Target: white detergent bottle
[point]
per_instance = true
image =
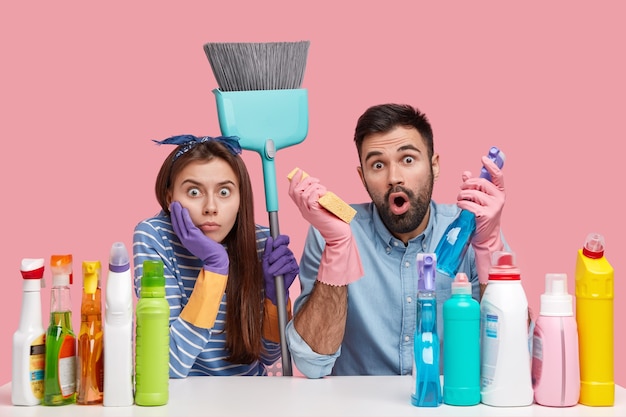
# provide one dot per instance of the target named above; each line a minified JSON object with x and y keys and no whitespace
{"x":505,"y":358}
{"x":118,"y":330}
{"x":29,"y":346}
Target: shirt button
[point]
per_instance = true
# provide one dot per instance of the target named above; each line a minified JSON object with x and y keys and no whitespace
{"x":407,"y":264}
{"x":409,"y":299}
{"x":407,"y":338}
{"x":395,"y":244}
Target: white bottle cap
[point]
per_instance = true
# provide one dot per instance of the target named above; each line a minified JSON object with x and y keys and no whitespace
{"x":556,"y":301}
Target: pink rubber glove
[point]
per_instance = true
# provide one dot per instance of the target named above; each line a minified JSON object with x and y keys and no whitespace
{"x":213,"y":254}
{"x":341,"y":263}
{"x":277,"y":260}
{"x":485,"y":199}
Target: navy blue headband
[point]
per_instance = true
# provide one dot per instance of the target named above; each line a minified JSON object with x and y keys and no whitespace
{"x":189,"y":141}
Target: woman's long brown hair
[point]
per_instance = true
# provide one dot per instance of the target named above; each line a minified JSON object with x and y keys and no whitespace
{"x":244,"y":290}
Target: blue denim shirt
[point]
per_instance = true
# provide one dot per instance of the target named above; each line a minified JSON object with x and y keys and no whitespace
{"x":382,"y":305}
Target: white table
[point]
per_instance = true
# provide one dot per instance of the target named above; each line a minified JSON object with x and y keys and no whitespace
{"x":297,"y":396}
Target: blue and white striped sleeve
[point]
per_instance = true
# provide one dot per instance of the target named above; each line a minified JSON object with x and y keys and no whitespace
{"x":152,"y":241}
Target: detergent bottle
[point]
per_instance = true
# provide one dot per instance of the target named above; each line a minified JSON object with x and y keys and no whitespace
{"x":152,"y":336}
{"x":594,"y":315}
{"x":555,"y":367}
{"x":90,"y":372}
{"x":453,"y":245}
{"x":29,"y":346}
{"x":461,"y":345}
{"x":60,"y":367}
{"x":118,"y":330}
{"x":505,"y":358}
{"x":427,"y":383}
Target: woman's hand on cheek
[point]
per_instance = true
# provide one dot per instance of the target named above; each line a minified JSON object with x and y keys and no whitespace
{"x":212,"y":254}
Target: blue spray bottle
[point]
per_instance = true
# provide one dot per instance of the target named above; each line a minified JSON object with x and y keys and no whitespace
{"x":427,"y":384}
{"x":453,"y":245}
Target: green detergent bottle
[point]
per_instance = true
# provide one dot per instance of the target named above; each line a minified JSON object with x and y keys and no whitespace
{"x":152,"y":338}
{"x":60,"y":366}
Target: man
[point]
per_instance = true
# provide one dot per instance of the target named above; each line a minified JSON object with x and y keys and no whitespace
{"x":357,"y":312}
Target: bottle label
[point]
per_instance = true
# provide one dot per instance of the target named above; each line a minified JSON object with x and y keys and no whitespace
{"x":67,"y":367}
{"x":489,"y":352}
{"x":37,"y":361}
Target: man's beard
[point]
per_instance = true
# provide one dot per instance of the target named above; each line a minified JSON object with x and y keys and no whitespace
{"x":409,"y":221}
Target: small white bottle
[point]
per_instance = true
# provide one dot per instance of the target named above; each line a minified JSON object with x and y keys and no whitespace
{"x":118,"y":330}
{"x":505,"y":357}
{"x":29,"y":346}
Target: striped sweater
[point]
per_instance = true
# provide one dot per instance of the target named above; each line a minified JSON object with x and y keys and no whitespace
{"x":193,"y":350}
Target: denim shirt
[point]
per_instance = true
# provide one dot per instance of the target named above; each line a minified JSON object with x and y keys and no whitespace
{"x":382,"y":305}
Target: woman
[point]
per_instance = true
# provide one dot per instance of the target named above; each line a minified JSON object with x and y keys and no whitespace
{"x":219,"y":265}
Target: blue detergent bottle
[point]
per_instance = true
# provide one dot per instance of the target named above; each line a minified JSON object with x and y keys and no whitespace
{"x":461,"y":345}
{"x":427,"y":384}
{"x":453,"y":245}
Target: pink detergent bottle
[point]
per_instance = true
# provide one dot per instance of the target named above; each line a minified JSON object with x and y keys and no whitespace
{"x":555,"y":361}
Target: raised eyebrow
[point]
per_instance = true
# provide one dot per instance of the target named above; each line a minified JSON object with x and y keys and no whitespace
{"x":227,"y":182}
{"x":371,"y":155}
{"x":409,"y":148}
{"x":403,"y":148}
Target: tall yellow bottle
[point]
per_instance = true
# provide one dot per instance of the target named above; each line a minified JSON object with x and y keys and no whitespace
{"x":594,"y":316}
{"x":90,"y":363}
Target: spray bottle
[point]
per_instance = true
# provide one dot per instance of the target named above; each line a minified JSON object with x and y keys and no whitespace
{"x":505,"y":356}
{"x":90,"y":372}
{"x":456,"y":239}
{"x":29,"y":346}
{"x":594,"y":314}
{"x":118,"y":330}
{"x":555,"y":367}
{"x":60,"y":367}
{"x":461,"y":345}
{"x":427,"y":384}
{"x":153,"y":338}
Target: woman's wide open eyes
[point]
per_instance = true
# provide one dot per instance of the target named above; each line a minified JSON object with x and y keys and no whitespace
{"x":224,"y":192}
{"x":193,"y":192}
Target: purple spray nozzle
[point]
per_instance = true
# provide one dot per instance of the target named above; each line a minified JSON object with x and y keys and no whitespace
{"x":497,"y":156}
{"x":426,"y":265}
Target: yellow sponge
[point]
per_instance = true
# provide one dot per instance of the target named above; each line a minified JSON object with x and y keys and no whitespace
{"x":331,"y":202}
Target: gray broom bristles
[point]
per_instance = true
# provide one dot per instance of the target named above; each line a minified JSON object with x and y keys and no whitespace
{"x":239,"y":66}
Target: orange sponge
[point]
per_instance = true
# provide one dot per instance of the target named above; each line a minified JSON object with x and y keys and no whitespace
{"x":331,"y":202}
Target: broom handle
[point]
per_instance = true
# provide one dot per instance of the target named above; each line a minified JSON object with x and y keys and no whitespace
{"x":281,"y":303}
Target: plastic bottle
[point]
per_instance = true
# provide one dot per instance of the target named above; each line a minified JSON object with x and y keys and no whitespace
{"x":90,"y":370}
{"x":461,"y":345}
{"x":555,"y":368}
{"x":505,"y":357}
{"x":594,"y":314}
{"x":118,"y":330}
{"x":152,"y":347}
{"x":427,"y":383}
{"x":29,"y":346}
{"x":453,"y":245}
{"x":60,"y":367}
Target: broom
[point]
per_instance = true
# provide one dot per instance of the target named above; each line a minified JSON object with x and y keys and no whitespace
{"x":259,"y":100}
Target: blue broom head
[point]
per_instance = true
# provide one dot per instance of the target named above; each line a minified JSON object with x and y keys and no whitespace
{"x":257,"y":116}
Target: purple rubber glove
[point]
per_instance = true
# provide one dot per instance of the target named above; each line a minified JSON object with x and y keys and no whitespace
{"x":278,"y":260}
{"x":212,"y":254}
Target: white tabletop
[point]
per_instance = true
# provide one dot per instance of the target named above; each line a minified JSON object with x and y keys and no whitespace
{"x":297,"y":396}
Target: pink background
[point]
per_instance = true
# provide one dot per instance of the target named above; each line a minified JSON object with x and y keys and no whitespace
{"x":85,"y":87}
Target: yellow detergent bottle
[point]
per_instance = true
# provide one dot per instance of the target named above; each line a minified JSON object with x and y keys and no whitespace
{"x":594,"y":316}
